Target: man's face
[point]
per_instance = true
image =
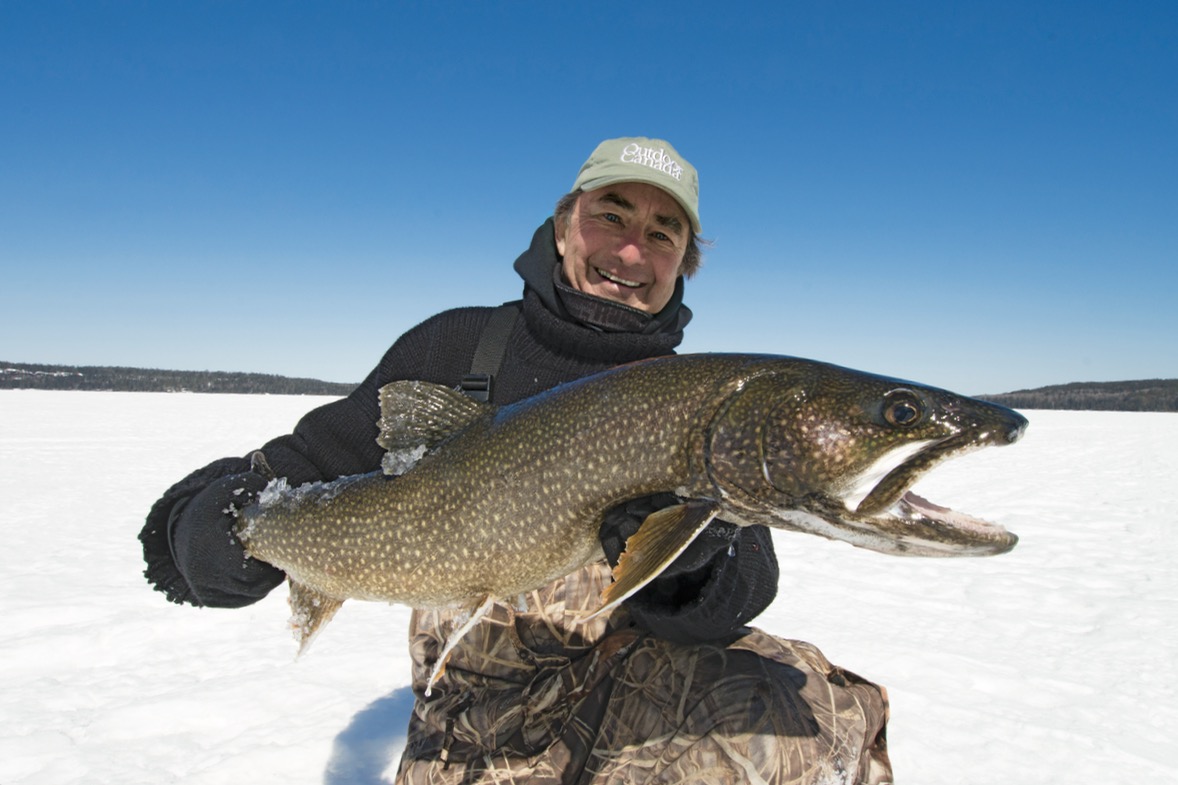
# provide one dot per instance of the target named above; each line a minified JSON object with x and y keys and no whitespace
{"x":625,"y":242}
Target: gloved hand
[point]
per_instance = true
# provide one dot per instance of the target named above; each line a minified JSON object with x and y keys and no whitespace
{"x":720,"y":582}
{"x":682,"y":580}
{"x":625,"y":519}
{"x":206,"y":548}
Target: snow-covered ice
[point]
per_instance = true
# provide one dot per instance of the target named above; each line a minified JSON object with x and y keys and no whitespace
{"x":1053,"y":663}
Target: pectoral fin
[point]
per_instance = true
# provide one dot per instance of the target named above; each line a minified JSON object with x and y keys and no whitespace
{"x":309,"y":611}
{"x":660,"y":539}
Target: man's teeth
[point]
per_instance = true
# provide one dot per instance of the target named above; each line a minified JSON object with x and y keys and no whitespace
{"x":618,"y":280}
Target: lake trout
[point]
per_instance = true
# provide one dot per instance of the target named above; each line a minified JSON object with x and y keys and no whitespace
{"x":478,"y":503}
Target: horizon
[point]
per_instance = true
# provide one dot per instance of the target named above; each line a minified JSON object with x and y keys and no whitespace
{"x":979,"y":199}
{"x":6,"y":364}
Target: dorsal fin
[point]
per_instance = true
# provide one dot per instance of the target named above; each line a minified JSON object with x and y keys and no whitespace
{"x":416,"y":414}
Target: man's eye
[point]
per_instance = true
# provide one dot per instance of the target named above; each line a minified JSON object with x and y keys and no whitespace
{"x":615,"y":218}
{"x":660,"y":237}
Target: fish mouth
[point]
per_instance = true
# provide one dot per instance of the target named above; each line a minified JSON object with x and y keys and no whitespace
{"x":955,"y":531}
{"x":893,"y":519}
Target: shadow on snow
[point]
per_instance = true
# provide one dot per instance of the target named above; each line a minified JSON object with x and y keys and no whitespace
{"x":365,"y":749}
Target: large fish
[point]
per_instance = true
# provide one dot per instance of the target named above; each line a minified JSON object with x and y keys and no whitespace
{"x":478,"y":503}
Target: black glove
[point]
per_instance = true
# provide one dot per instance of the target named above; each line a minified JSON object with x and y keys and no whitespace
{"x":724,"y":578}
{"x":207,"y":551}
{"x":688,"y":569}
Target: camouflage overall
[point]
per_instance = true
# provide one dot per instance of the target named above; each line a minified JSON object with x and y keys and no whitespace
{"x":533,"y":697}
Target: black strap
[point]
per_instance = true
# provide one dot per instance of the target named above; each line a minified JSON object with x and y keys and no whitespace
{"x":489,"y":354}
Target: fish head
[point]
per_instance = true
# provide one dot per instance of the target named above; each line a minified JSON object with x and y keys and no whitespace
{"x":831,"y":451}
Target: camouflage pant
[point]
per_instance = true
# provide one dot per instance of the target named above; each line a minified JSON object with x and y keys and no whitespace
{"x":633,"y":708}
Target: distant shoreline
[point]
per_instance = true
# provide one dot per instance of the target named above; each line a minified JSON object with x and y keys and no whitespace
{"x":26,"y":376}
{"x":1148,"y":395}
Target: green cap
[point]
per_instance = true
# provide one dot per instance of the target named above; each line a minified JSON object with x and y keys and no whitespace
{"x":636,"y":159}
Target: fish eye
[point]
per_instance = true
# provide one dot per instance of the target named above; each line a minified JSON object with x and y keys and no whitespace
{"x":903,"y":409}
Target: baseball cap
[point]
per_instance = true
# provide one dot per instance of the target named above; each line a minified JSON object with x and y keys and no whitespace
{"x":636,"y":159}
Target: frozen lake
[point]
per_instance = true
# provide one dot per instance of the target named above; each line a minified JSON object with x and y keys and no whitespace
{"x":1053,"y":663}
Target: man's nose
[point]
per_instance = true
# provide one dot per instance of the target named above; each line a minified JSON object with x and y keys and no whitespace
{"x":629,"y":248}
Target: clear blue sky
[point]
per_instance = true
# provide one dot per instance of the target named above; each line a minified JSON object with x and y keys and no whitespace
{"x":980,"y":196}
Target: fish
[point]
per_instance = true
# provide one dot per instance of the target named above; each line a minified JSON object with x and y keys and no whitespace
{"x":477,"y":503}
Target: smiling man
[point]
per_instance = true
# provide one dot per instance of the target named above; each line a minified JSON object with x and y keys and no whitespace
{"x":671,"y":686}
{"x":626,"y":239}
{"x":625,"y":243}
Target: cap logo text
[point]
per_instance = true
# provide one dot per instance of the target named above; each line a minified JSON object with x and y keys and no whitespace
{"x":655,"y":159}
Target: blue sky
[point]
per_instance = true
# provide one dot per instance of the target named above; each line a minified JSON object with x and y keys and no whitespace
{"x":980,"y":196}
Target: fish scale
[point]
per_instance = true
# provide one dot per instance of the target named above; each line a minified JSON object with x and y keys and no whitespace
{"x":506,"y":500}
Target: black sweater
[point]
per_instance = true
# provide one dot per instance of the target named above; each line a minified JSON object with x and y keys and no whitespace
{"x":547,"y":347}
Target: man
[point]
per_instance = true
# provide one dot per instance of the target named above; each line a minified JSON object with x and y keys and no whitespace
{"x":671,"y":686}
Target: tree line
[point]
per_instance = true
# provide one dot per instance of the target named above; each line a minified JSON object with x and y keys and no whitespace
{"x":23,"y":376}
{"x":1147,"y":395}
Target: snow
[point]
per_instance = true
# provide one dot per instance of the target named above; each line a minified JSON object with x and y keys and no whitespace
{"x":396,"y":461}
{"x":1053,"y":663}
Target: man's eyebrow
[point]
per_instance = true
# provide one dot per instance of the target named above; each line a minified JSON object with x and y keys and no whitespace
{"x":613,"y":198}
{"x":670,"y":222}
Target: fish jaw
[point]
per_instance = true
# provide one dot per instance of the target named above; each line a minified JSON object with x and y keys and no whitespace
{"x":913,"y":526}
{"x":904,"y":524}
{"x":907,"y":524}
{"x":891,"y":519}
{"x":895,"y":483}
{"x":835,"y":453}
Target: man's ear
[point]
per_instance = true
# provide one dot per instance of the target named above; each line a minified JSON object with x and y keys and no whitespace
{"x":559,"y":229}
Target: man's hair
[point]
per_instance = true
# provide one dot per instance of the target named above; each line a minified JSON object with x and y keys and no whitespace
{"x":692,"y":257}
